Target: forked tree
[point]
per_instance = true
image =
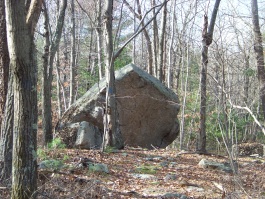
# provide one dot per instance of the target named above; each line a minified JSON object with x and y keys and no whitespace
{"x":50,"y":49}
{"x":207,"y":38}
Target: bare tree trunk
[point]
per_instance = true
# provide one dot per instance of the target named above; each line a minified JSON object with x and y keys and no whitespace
{"x":50,"y":51}
{"x":112,"y":133}
{"x":100,"y":39}
{"x":73,"y":55}
{"x":134,"y":40}
{"x":207,"y":36}
{"x":155,"y":41}
{"x":170,"y":53}
{"x":58,"y":84}
{"x":6,"y":142}
{"x":4,"y":61}
{"x":6,"y":102}
{"x":162,"y":43}
{"x":258,"y":48}
{"x":21,"y":23}
{"x":246,"y":78}
{"x":46,"y":95}
{"x":65,"y":65}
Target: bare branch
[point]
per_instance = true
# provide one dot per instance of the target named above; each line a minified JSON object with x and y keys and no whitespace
{"x":137,"y":32}
{"x":83,"y":9}
{"x":240,"y":107}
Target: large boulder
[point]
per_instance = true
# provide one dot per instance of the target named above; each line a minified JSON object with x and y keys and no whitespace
{"x":147,"y":109}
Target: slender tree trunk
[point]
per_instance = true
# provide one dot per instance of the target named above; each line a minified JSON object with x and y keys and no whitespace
{"x":134,"y":40}
{"x":207,"y":36}
{"x":65,"y":65}
{"x":50,"y":50}
{"x":170,"y":53}
{"x":201,"y":142}
{"x":155,"y":40}
{"x":162,"y":43}
{"x":246,"y":79}
{"x":73,"y":55}
{"x":258,"y":48}
{"x":4,"y":61}
{"x":182,"y":124}
{"x":58,"y":84}
{"x":91,"y":50}
{"x":100,"y":39}
{"x":46,"y":87}
{"x":112,"y":133}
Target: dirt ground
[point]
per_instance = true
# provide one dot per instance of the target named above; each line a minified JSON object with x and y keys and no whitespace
{"x":139,"y":173}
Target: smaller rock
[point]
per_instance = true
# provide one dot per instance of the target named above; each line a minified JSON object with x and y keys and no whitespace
{"x":207,"y":164}
{"x":102,"y":168}
{"x":88,"y":136}
{"x":124,"y":154}
{"x":194,"y":188}
{"x":172,"y":164}
{"x":164,"y":164}
{"x":143,"y":176}
{"x":183,"y":197}
{"x":157,"y":158}
{"x":50,"y":164}
{"x":172,"y":195}
{"x":170,"y":177}
{"x":257,"y":161}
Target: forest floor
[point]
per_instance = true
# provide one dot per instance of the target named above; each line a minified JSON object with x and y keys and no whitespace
{"x":140,"y":173}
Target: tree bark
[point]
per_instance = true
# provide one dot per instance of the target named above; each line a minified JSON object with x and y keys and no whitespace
{"x":162,"y":44}
{"x":207,"y":36}
{"x":112,"y":133}
{"x":155,"y":40}
{"x":46,"y":107}
{"x":170,"y":53}
{"x":100,"y":39}
{"x":20,"y":34}
{"x":6,"y":102}
{"x":258,"y":48}
{"x":58,"y":84}
{"x":6,"y":142}
{"x":4,"y":61}
{"x":73,"y":56}
{"x":48,"y":61}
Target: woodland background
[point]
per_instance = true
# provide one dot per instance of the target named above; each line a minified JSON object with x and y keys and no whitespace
{"x":211,"y":55}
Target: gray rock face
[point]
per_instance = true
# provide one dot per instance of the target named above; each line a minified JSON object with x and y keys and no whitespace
{"x":147,"y":109}
{"x":88,"y":136}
